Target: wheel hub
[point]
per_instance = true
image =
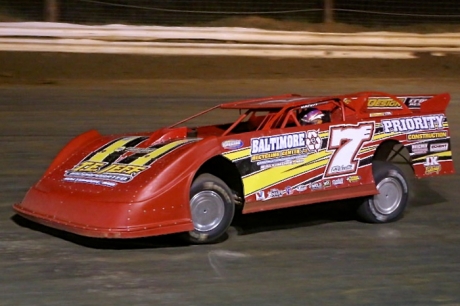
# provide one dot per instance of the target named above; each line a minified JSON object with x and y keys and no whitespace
{"x":208,"y":210}
{"x":389,"y":198}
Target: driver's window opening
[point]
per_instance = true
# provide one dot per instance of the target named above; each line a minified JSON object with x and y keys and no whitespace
{"x":291,"y":119}
{"x":250,"y":120}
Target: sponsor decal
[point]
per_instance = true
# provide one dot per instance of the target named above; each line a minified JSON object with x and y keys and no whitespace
{"x":412,"y":124}
{"x":260,"y":195}
{"x":432,"y":165}
{"x":232,"y":144}
{"x":341,"y":169}
{"x":278,"y":193}
{"x":338,"y":181}
{"x":421,"y":136}
{"x":345,"y":141}
{"x":301,"y":188}
{"x":266,"y":164}
{"x":284,"y":149}
{"x":353,"y":178}
{"x":102,"y":170}
{"x":89,"y":181}
{"x":119,"y":161}
{"x":419,"y":148}
{"x":439,"y":147}
{"x":97,"y":173}
{"x":313,"y":141}
{"x":414,"y":102}
{"x":327,"y":184}
{"x":383,"y":102}
{"x":309,"y":105}
{"x":277,"y":143}
{"x":316,"y":186}
{"x":380,"y":114}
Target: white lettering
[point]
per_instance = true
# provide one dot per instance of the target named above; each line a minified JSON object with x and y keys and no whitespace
{"x":387,"y":126}
{"x":346,"y":141}
{"x":282,"y":143}
{"x":438,"y":147}
{"x":431,"y":123}
{"x":254,"y":146}
{"x":296,"y":140}
{"x":418,"y":124}
{"x":413,"y":123}
{"x":431,"y":161}
{"x":410,"y":125}
{"x":439,"y":120}
{"x":278,"y":143}
{"x":302,"y":140}
{"x":397,"y":125}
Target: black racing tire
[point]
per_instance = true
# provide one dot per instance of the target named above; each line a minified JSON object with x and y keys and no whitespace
{"x":212,"y":209}
{"x":390,"y":203}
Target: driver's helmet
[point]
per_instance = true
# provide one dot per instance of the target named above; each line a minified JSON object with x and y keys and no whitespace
{"x":312,"y":116}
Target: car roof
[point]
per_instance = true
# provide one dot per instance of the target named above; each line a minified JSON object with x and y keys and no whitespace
{"x":275,"y":102}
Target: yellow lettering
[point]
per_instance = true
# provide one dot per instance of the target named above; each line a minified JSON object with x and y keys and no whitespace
{"x":133,"y":169}
{"x":432,"y":169}
{"x":266,"y":156}
{"x":88,"y":166}
{"x":427,"y":135}
{"x":382,"y":102}
{"x":123,"y":169}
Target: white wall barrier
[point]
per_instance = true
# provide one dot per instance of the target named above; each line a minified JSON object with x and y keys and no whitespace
{"x":58,"y":37}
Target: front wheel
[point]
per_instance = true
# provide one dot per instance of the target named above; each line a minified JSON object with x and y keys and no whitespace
{"x":212,"y":209}
{"x":389,"y":204}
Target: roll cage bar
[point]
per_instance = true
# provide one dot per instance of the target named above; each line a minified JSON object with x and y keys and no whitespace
{"x":279,"y":117}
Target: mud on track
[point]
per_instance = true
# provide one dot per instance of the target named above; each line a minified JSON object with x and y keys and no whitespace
{"x":313,"y":255}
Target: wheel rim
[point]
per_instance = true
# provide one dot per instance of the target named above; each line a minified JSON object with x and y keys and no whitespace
{"x":207,"y":209}
{"x":390,"y":196}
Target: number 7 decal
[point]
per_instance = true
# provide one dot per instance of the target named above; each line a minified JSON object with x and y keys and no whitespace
{"x":345,"y":141}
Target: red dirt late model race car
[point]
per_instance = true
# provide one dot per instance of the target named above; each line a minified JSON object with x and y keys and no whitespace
{"x":278,"y":152}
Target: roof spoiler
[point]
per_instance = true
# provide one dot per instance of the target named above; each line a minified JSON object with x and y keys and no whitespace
{"x":436,"y":104}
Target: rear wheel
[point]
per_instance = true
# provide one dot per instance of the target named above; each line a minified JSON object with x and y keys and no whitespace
{"x":212,"y":209}
{"x":391,"y":201}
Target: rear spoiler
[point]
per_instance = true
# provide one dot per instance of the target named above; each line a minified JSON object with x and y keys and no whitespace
{"x":436,"y":104}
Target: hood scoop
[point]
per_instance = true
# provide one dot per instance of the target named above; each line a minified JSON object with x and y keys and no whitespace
{"x":165,"y":135}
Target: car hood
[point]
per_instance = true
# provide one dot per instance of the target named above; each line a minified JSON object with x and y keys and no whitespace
{"x":119,"y":168}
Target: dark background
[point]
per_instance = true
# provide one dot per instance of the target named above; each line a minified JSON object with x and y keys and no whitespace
{"x":372,"y":14}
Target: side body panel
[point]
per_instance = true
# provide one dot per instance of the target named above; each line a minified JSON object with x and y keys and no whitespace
{"x":303,"y":165}
{"x":334,"y":161}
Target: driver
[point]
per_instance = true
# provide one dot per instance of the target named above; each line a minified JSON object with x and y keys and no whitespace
{"x":311,"y":116}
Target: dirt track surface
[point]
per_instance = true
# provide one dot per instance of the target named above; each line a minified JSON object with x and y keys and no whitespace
{"x":61,"y":68}
{"x":314,"y":255}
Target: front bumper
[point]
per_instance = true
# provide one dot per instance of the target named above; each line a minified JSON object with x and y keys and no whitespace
{"x":102,"y":219}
